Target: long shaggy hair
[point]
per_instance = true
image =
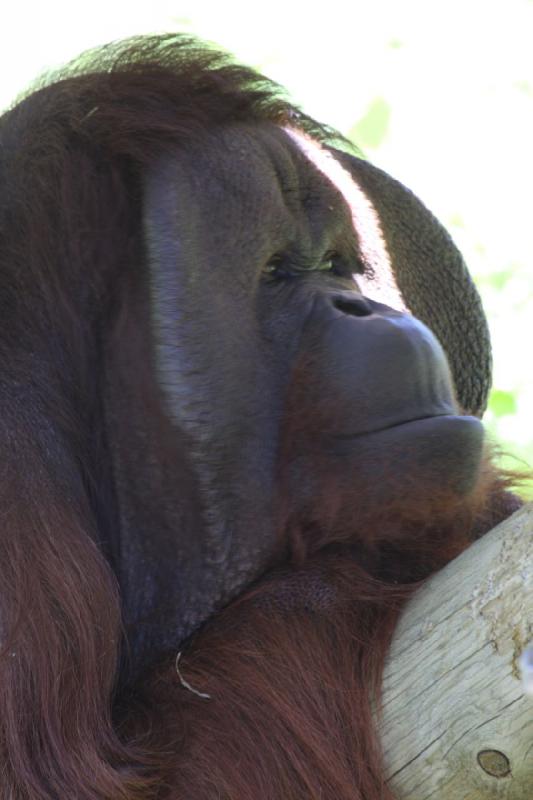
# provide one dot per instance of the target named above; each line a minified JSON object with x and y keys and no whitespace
{"x":292,"y":668}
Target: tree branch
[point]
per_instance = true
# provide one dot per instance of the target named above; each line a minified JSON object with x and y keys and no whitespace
{"x":456,"y":724}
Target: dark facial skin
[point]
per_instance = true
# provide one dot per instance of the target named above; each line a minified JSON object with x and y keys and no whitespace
{"x":247,"y":316}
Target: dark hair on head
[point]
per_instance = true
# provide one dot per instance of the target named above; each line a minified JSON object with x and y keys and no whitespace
{"x":134,"y":98}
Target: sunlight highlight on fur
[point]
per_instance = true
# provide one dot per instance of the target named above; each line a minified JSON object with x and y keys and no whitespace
{"x":379,"y":284}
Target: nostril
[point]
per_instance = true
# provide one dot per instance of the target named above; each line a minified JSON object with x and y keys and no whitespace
{"x":355,"y":305}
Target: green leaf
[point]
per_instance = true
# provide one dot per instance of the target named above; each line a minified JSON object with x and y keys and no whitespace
{"x":502,"y":403}
{"x":498,"y":279}
{"x":373,"y":127}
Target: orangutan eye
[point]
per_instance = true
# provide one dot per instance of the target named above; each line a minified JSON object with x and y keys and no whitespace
{"x":330,"y":262}
{"x":277,"y":267}
{"x":281,"y":266}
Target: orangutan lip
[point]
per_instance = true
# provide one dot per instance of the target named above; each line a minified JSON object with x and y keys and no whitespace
{"x":394,"y":425}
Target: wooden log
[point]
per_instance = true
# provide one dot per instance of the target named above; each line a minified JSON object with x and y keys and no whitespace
{"x":457,"y":724}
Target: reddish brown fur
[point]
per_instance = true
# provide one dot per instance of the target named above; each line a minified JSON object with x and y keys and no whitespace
{"x":290,"y":669}
{"x":72,"y":156}
{"x":289,"y":715}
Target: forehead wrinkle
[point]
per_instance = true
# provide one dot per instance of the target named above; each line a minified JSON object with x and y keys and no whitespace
{"x":323,"y":216}
{"x":307,"y":211}
{"x":268,"y":193}
{"x":318,"y":213}
{"x":281,"y":168}
{"x":240,"y":181}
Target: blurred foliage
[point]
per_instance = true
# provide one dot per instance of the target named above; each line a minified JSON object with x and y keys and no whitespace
{"x":372,"y":128}
{"x":502,"y":403}
{"x":440,"y":94}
